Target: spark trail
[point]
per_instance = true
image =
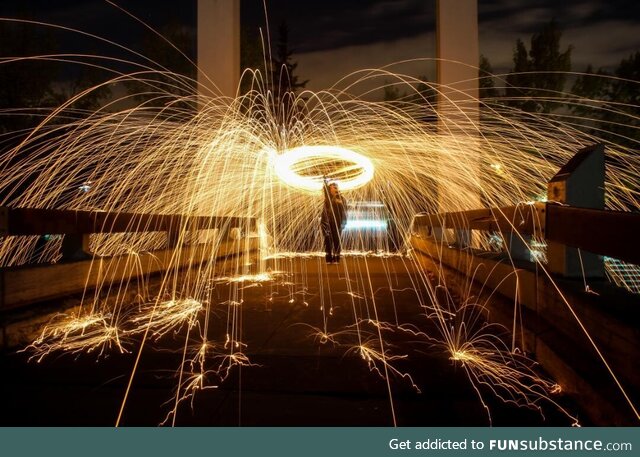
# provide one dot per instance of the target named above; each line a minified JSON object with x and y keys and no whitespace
{"x":248,"y":156}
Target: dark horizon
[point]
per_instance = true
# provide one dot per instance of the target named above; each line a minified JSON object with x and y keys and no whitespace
{"x":373,"y":33}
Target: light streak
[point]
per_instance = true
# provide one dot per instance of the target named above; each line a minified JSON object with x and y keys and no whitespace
{"x":356,"y":224}
{"x":381,"y":362}
{"x":232,"y":157}
{"x":163,"y":317}
{"x":76,"y":333}
{"x":489,"y":364}
{"x":304,"y":167}
{"x":253,"y":278}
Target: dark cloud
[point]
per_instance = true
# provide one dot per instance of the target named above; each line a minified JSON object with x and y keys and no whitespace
{"x":569,"y":13}
{"x":99,"y":18}
{"x":330,"y":24}
{"x":372,"y":32}
{"x":600,"y":32}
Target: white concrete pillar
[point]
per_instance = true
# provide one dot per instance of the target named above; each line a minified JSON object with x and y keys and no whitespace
{"x":218,"y":47}
{"x":458,"y":55}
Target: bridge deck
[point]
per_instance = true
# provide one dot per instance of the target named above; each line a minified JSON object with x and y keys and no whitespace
{"x":294,"y":379}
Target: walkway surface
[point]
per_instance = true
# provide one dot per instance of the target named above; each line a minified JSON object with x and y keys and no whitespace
{"x":295,"y":376}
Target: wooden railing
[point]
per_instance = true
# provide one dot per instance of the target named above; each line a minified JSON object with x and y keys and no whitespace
{"x":551,"y":306}
{"x":609,"y":233}
{"x":79,"y":270}
{"x":577,"y":229}
{"x":34,"y":221}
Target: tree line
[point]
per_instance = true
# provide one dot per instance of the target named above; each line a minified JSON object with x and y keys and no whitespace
{"x":539,"y":80}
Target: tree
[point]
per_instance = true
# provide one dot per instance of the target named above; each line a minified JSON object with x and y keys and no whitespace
{"x":251,"y":57}
{"x":540,"y":73}
{"x":590,"y":86}
{"x":282,"y":80}
{"x":172,"y":75}
{"x":424,"y":96}
{"x":419,"y":92}
{"x":417,"y":97}
{"x":25,"y":84}
{"x":623,"y":95}
{"x":486,"y":86}
{"x":283,"y":77}
{"x":609,"y":108}
{"x":391,"y":92}
{"x":85,"y":78}
{"x":611,"y":105}
{"x":625,"y":90}
{"x":32,"y":85}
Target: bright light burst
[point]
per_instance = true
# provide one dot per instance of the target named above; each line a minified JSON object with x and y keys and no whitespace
{"x":509,"y":375}
{"x":163,"y":317}
{"x":305,"y":167}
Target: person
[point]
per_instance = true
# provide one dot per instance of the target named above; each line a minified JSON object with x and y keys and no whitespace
{"x":333,"y":221}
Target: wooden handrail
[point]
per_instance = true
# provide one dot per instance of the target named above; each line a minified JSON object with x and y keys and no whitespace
{"x":524,"y":219}
{"x":38,"y":221}
{"x":603,"y":232}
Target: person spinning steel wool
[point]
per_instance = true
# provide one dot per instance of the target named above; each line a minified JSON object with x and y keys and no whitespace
{"x":333,"y":220}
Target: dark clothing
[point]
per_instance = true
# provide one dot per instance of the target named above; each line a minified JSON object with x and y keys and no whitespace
{"x":332,"y":245}
{"x":332,"y":222}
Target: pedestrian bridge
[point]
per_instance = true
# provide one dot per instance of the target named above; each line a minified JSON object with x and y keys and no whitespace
{"x":516,"y":315}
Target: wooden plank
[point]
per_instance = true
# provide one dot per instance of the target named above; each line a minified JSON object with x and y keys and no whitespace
{"x":32,"y":284}
{"x":521,"y":218}
{"x":39,"y":221}
{"x":604,"y":232}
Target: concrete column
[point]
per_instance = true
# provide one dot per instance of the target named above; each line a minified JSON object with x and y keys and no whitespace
{"x":218,"y":47}
{"x":517,"y":248}
{"x":458,"y":56}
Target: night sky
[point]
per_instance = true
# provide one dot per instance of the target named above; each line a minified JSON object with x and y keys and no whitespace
{"x":335,"y":37}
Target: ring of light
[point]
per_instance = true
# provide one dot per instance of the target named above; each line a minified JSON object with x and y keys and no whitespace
{"x":284,"y":167}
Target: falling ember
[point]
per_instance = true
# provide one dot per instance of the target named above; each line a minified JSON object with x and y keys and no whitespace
{"x":460,"y":356}
{"x":235,"y":158}
{"x":76,"y":333}
{"x":258,"y":277}
{"x":162,"y":317}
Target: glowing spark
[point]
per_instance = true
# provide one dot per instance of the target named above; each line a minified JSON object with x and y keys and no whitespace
{"x":162,"y":317}
{"x":261,"y":277}
{"x":377,"y":361}
{"x":463,"y":356}
{"x":75,"y":333}
{"x":222,"y":161}
{"x":498,"y":169}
